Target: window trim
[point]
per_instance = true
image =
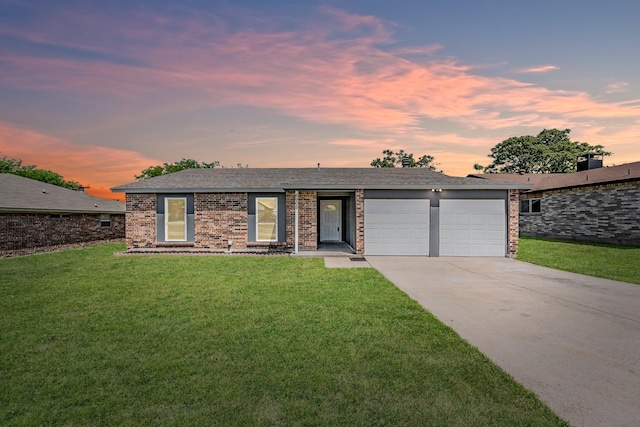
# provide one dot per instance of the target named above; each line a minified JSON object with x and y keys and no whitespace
{"x":529,"y":210}
{"x":105,"y":220}
{"x":275,"y":221}
{"x":166,"y":219}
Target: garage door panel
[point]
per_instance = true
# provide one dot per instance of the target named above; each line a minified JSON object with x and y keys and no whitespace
{"x":396,"y":227}
{"x":472,"y":228}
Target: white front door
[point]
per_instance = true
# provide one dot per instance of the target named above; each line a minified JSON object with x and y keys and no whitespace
{"x":330,"y":220}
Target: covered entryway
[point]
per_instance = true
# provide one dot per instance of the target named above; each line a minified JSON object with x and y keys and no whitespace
{"x":472,"y":228}
{"x":396,"y":227}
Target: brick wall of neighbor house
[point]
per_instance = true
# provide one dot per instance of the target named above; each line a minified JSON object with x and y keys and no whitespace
{"x":220,"y":218}
{"x":307,"y":219}
{"x":513,"y":225}
{"x":608,"y":213}
{"x":359,"y":222}
{"x":30,"y":230}
{"x":141,"y":221}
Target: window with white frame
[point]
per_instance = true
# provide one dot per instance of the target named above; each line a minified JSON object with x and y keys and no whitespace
{"x":530,"y":206}
{"x":175,"y":219}
{"x":266,"y":219}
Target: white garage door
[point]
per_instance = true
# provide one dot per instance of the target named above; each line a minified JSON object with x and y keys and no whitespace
{"x":396,"y":227}
{"x":472,"y":228}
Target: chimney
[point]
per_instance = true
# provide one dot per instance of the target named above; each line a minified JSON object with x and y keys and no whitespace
{"x":405,"y":162}
{"x":589,"y":161}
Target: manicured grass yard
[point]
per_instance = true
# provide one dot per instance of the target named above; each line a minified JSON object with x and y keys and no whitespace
{"x":610,"y":262}
{"x":92,"y":339}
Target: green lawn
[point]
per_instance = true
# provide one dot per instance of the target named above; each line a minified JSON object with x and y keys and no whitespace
{"x":93,"y":339}
{"x":610,"y":262}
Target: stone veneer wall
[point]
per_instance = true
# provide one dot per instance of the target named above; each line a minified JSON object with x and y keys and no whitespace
{"x":34,"y":230}
{"x":513,"y":223}
{"x":141,"y":221}
{"x":307,"y":219}
{"x":220,"y":218}
{"x":607,"y":213}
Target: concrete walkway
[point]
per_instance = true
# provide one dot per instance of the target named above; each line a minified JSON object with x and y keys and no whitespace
{"x":573,"y":340}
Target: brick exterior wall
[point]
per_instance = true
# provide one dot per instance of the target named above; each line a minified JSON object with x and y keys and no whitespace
{"x":513,"y":230}
{"x":20,"y":231}
{"x":608,"y":213}
{"x":218,"y":218}
{"x":359,"y":222}
{"x":307,"y":219}
{"x":141,"y":221}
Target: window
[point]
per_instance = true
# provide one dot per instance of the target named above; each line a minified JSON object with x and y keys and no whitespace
{"x":60,"y":216}
{"x":266,"y":219}
{"x":175,"y":218}
{"x":530,"y":206}
{"x":105,"y":220}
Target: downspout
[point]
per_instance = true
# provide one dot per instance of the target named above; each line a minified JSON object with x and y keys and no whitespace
{"x":296,"y":222}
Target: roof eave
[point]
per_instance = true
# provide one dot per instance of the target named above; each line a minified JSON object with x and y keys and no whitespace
{"x":333,"y":187}
{"x":587,"y":184}
{"x":61,"y":211}
{"x":198,"y":190}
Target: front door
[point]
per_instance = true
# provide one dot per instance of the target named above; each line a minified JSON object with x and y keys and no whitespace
{"x":330,"y":220}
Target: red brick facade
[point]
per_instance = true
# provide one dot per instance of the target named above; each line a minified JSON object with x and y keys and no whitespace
{"x":359,"y":222}
{"x":141,"y":221}
{"x":513,"y":223}
{"x":307,"y":219}
{"x":220,"y":218}
{"x":21,"y":231}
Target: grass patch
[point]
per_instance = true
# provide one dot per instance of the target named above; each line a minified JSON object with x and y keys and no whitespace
{"x":93,"y":339}
{"x":598,"y":260}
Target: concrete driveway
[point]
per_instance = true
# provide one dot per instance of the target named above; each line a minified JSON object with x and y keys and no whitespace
{"x":573,"y":340}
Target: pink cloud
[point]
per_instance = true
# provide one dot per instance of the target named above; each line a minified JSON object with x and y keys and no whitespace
{"x":307,"y":74}
{"x":337,"y":68}
{"x":99,"y":168}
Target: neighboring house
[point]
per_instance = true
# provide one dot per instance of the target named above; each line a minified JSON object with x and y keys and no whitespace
{"x":595,"y":205}
{"x":34,"y":214}
{"x":376,"y":211}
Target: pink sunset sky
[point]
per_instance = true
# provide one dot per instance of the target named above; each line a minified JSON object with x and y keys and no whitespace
{"x":98,"y":91}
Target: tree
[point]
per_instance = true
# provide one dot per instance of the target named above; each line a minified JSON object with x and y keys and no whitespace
{"x":15,"y":167}
{"x":391,"y":159}
{"x":168,"y":168}
{"x":551,"y":151}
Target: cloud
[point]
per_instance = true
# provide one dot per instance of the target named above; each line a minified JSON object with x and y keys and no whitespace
{"x":335,"y":68}
{"x":99,"y":168}
{"x":537,"y":69}
{"x":617,"y":87}
{"x":333,"y":72}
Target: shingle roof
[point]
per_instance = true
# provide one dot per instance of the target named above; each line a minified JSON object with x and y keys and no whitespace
{"x":280,"y":179}
{"x":19,"y":194}
{"x":549,"y":181}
